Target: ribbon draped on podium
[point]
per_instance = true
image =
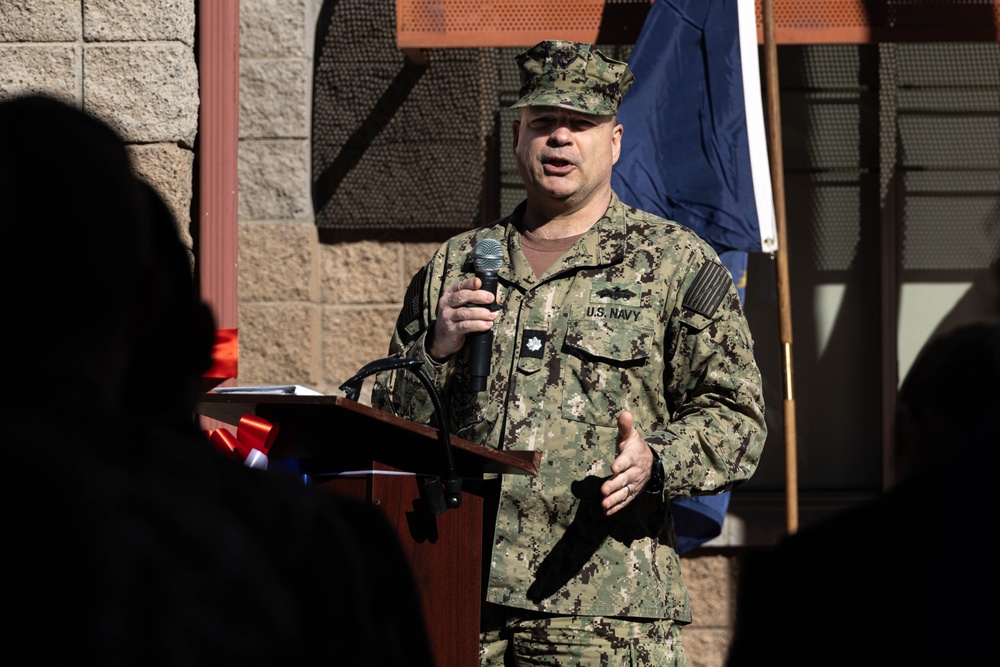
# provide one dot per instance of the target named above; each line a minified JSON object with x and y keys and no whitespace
{"x":253,"y":439}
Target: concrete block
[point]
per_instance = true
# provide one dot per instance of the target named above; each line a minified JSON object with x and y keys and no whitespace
{"x":40,"y":21}
{"x":363,"y":272}
{"x":352,"y":337}
{"x":274,"y":179}
{"x":54,"y":69}
{"x":277,"y":344}
{"x":170,"y":169}
{"x":149,"y":92}
{"x":276,"y":261}
{"x":710,"y":585}
{"x":139,"y":20}
{"x":274,"y":99}
{"x":274,"y":29}
{"x":415,"y":255}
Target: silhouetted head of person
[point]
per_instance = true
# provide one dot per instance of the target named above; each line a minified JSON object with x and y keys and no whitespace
{"x":177,"y":330}
{"x":76,"y":245}
{"x":948,"y":400}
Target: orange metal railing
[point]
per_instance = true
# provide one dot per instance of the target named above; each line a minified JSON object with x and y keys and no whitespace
{"x":427,"y":24}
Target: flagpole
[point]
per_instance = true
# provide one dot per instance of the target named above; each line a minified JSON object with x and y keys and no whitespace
{"x":784,"y":302}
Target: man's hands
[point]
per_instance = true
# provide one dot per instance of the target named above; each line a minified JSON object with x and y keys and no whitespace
{"x":631,"y":470}
{"x":462,"y":310}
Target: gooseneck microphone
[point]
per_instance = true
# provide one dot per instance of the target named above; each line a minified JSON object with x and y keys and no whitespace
{"x":488,"y":257}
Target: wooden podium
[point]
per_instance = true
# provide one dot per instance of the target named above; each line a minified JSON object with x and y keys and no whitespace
{"x":387,"y":458}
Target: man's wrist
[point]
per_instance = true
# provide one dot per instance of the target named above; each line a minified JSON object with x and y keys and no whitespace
{"x":435,"y":359}
{"x":656,"y":480}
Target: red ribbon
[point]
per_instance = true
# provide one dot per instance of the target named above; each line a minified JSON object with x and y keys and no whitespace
{"x":225,"y":355}
{"x":252,"y":433}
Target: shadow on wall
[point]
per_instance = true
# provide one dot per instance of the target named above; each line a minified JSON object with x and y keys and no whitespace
{"x":397,"y":147}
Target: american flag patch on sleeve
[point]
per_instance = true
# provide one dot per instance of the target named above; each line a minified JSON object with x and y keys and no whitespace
{"x":407,"y":326}
{"x":706,"y":293}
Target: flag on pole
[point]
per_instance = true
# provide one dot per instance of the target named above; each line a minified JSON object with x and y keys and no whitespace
{"x":694,"y":151}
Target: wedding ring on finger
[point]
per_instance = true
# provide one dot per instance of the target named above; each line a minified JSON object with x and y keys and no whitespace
{"x":628,"y":491}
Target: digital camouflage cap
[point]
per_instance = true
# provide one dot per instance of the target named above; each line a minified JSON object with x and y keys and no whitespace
{"x":571,"y":75}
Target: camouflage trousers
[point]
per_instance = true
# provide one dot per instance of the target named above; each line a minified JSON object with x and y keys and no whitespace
{"x":520,"y":638}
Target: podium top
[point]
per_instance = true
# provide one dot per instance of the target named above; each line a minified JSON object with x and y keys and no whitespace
{"x":309,"y":426}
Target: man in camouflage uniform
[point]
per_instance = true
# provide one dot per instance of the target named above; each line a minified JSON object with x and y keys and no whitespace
{"x":620,"y":351}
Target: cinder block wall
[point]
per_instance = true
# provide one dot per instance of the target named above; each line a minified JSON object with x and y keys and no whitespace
{"x":309,"y":313}
{"x":130,"y":62}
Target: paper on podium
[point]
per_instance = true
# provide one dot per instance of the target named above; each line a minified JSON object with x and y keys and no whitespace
{"x":296,"y":389}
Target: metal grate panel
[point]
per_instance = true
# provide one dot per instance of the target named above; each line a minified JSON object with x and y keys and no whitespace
{"x":422,"y":24}
{"x":948,"y":143}
{"x":397,"y":146}
{"x":519,"y":23}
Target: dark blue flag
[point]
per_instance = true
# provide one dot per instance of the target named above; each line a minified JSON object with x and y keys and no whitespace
{"x":694,"y":151}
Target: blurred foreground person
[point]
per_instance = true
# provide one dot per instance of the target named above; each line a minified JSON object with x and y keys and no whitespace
{"x":906,"y":579}
{"x":129,"y":539}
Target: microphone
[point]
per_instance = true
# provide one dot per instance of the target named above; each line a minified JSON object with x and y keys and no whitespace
{"x":488,"y":257}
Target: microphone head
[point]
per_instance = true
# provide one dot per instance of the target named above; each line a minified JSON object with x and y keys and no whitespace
{"x":488,"y":255}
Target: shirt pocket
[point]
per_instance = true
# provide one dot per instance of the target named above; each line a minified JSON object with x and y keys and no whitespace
{"x":604,"y":362}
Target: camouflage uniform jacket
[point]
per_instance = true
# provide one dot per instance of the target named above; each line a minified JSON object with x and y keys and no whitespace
{"x":638,"y":314}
